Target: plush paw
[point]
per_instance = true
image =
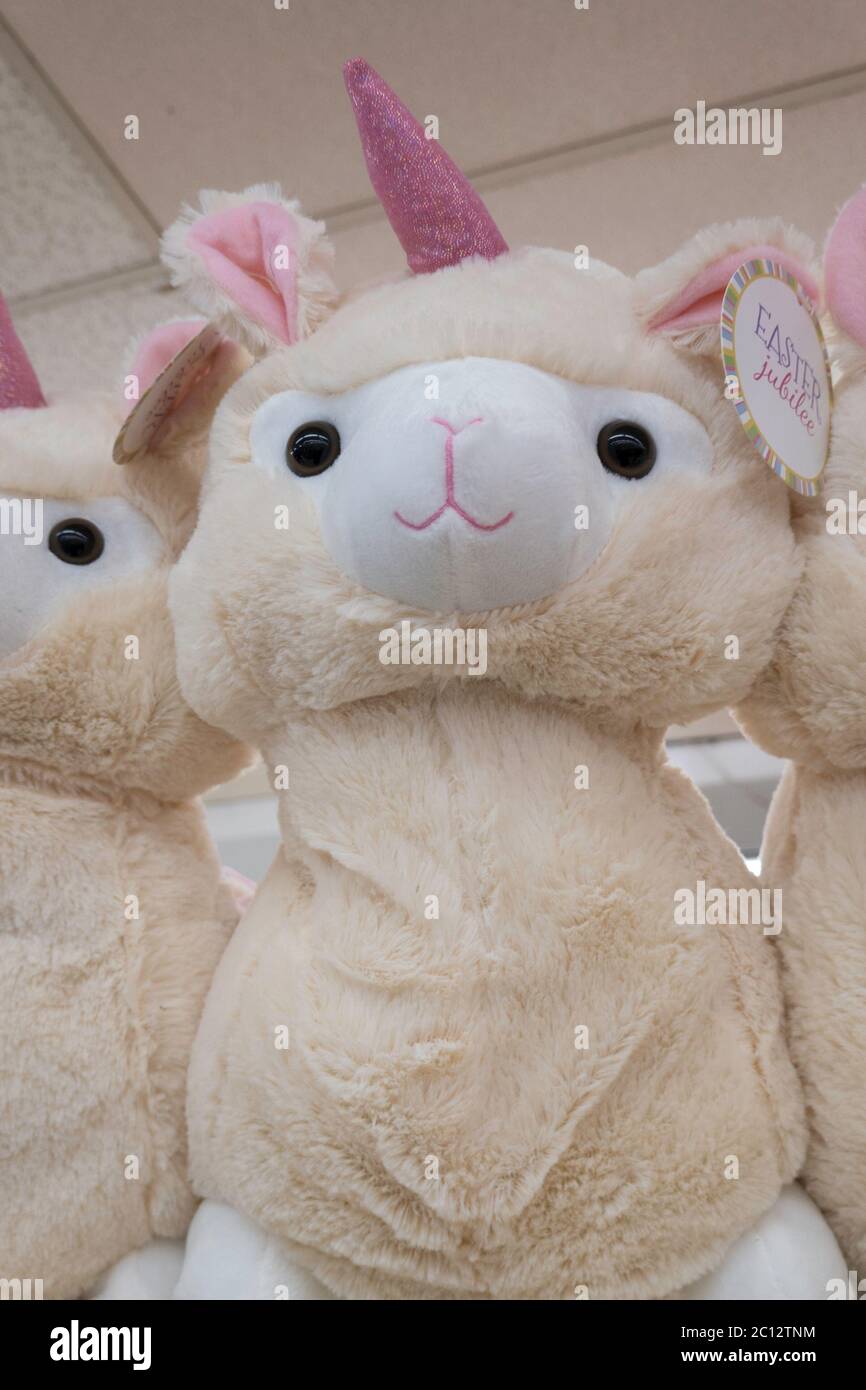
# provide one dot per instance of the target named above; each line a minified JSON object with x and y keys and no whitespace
{"x":790,"y":1254}
{"x":149,"y":1273}
{"x":230,"y":1257}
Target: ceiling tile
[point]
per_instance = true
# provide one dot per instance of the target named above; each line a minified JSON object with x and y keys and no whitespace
{"x":58,"y":221}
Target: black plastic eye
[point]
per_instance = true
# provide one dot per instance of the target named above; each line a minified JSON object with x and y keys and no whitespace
{"x":312,"y":448}
{"x":626,"y":448}
{"x":76,"y":542}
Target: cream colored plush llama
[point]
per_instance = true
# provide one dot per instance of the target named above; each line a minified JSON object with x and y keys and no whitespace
{"x":461,"y":1047}
{"x":811,"y":707}
{"x":112,"y":916}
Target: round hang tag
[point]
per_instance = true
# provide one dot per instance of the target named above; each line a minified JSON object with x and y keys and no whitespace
{"x":773,"y":345}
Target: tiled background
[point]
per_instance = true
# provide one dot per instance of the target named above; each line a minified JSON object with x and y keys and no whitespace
{"x":564,"y":118}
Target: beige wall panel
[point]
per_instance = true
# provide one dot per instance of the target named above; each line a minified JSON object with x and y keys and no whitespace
{"x":230,"y":91}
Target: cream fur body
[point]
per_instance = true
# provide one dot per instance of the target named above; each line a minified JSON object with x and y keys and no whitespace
{"x":453,"y":1040}
{"x":112,"y":913}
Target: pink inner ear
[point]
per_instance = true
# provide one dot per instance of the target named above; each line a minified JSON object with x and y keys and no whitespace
{"x":240,"y":248}
{"x":700,"y":303}
{"x":159,"y":347}
{"x":845,"y":269}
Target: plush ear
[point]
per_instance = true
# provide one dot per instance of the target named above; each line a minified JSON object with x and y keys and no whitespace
{"x":845,"y":269}
{"x":253,"y":264}
{"x":178,"y":390}
{"x":152,"y":354}
{"x":681,"y":298}
{"x":163,"y":442}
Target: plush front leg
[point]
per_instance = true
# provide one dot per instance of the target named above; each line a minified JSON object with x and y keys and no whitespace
{"x":812,"y":851}
{"x":229,"y":1257}
{"x":790,"y":1254}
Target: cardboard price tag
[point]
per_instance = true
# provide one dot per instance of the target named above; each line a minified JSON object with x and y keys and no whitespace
{"x":165,"y":394}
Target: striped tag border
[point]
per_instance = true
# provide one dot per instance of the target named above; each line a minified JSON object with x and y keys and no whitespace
{"x":744,"y":275}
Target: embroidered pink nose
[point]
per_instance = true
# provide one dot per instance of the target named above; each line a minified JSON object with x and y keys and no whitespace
{"x":446,"y":424}
{"x":450,"y":499}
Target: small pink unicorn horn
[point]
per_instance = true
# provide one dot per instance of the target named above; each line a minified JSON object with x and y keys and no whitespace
{"x":18,"y":383}
{"x":436,"y":213}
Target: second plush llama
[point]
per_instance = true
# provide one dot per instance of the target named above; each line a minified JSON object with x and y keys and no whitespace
{"x":811,"y":707}
{"x":112,"y":913}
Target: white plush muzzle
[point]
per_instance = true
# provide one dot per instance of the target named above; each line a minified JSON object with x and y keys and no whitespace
{"x":472,"y":484}
{"x":36,"y":585}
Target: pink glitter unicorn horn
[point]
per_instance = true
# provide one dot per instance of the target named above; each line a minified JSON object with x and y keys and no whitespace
{"x":18,"y":383}
{"x":436,"y":213}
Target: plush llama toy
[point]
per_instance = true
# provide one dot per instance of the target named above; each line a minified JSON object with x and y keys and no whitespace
{"x":112,"y":915}
{"x":811,"y":707}
{"x":461,"y":1046}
